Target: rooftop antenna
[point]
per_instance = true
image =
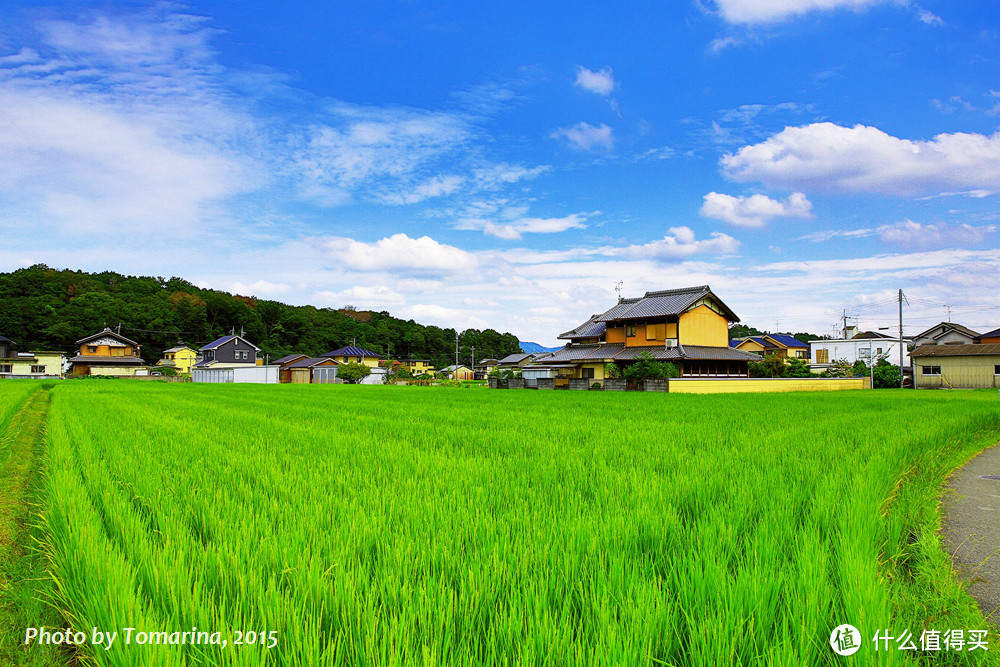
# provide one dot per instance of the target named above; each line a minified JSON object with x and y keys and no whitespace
{"x":618,"y":288}
{"x":948,"y":308}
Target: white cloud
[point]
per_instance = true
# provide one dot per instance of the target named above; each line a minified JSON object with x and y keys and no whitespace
{"x":587,"y":137}
{"x":754,"y":12}
{"x":755,"y":210}
{"x":367,"y":296}
{"x":400,"y":253}
{"x":602,"y":82}
{"x":513,"y":229}
{"x":829,"y":157}
{"x":911,"y":234}
{"x":434,"y":187}
{"x":929,"y":18}
{"x":499,"y":175}
{"x":679,"y":243}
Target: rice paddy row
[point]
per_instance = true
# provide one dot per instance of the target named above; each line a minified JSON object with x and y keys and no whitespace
{"x":397,"y":525}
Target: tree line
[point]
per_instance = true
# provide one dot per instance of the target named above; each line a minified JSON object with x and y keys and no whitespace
{"x":42,"y":308}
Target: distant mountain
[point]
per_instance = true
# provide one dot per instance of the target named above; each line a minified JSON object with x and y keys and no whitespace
{"x":530,"y":348}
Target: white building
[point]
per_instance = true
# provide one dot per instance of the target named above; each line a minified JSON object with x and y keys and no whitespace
{"x":863,"y":346}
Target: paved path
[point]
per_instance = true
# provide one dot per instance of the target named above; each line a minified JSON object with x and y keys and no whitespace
{"x":971,"y":532}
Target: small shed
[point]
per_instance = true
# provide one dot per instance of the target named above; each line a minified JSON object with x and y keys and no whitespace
{"x":302,"y":371}
{"x":956,"y":366}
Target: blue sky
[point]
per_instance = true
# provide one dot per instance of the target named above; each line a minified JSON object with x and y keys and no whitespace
{"x":484,"y":165}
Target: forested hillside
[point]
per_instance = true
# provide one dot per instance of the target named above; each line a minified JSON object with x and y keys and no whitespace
{"x":49,"y":309}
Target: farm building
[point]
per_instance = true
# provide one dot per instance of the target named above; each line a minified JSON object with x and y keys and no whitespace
{"x":783,"y":346}
{"x":358,"y":355}
{"x":309,"y":370}
{"x":956,"y":366}
{"x":946,"y":333}
{"x":859,"y":346}
{"x":688,"y":327}
{"x":245,"y":374}
{"x":107,"y":353}
{"x":40,"y":364}
{"x":289,"y":358}
{"x":458,"y":372}
{"x":180,"y":357}
{"x":228,"y":352}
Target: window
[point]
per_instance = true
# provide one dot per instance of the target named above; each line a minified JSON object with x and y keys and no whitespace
{"x":6,"y":368}
{"x":92,"y":349}
{"x":359,"y":360}
{"x":822,"y":356}
{"x":996,"y":370}
{"x":931,"y":370}
{"x":878,"y":350}
{"x":630,"y":331}
{"x":242,"y":354}
{"x":38,"y":369}
{"x":587,"y":373}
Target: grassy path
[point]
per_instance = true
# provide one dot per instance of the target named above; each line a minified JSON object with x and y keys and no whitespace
{"x":22,"y":571}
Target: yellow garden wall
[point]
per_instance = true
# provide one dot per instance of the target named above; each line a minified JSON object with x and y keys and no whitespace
{"x":755,"y":385}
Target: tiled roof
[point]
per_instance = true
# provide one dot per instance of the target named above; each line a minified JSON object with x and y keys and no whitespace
{"x":661,"y":304}
{"x":309,"y":362}
{"x":515,"y":358}
{"x":949,"y":326}
{"x":592,"y":328}
{"x":108,"y":332}
{"x":93,"y":359}
{"x":619,"y":352}
{"x":990,"y":349}
{"x":991,"y":334}
{"x":289,"y":358}
{"x":871,"y":335}
{"x":178,"y":348}
{"x":225,"y":339}
{"x":351,"y":351}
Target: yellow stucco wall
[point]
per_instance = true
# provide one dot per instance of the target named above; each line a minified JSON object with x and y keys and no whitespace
{"x":52,"y":361}
{"x":615,"y":334}
{"x":183,"y":359}
{"x":114,"y":370}
{"x":371,"y":362}
{"x":973,"y":372}
{"x":750,"y":346}
{"x":756,"y":385}
{"x":704,"y":326}
{"x":598,"y":371}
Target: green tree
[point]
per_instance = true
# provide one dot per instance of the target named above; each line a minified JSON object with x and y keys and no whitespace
{"x":647,"y":368}
{"x":886,"y":375}
{"x":353,"y":372}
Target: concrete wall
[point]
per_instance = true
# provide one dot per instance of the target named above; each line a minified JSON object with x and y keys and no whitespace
{"x":754,"y":385}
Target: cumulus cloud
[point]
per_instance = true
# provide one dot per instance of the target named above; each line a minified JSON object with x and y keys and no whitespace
{"x":756,"y":12}
{"x":602,"y":82}
{"x":400,"y":253}
{"x":830,"y":157}
{"x":755,"y":210}
{"x":679,"y":243}
{"x":587,"y":137}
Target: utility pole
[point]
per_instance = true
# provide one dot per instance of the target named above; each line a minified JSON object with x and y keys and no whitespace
{"x":901,"y":297}
{"x":456,"y":351}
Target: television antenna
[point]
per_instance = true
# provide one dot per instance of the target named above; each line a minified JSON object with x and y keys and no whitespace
{"x":618,"y":288}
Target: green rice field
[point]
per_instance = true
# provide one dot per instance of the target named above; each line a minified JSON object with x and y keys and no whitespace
{"x":369,"y":525}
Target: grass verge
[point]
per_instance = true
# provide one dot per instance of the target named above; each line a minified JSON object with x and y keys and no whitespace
{"x":23,"y":578}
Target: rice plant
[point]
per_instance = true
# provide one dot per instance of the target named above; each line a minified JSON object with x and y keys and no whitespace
{"x":404,"y":525}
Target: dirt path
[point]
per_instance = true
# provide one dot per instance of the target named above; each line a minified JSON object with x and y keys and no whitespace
{"x":971,"y":529}
{"x":21,"y":459}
